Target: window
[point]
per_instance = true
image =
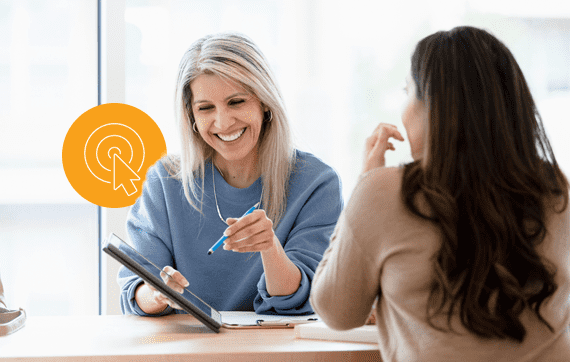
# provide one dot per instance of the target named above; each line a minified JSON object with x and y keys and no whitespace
{"x":340,"y":65}
{"x":48,"y":233}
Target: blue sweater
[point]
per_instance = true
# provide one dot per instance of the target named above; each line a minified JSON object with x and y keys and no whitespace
{"x":167,"y":230}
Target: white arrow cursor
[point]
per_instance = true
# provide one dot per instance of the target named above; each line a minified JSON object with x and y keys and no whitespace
{"x":124,"y":176}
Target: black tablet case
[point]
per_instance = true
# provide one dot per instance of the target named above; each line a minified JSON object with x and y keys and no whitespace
{"x":213,"y":323}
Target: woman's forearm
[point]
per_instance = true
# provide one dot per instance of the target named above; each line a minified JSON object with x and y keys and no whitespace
{"x":282,"y":277}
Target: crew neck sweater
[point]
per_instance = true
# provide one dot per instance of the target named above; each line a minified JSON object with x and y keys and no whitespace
{"x":166,"y":229}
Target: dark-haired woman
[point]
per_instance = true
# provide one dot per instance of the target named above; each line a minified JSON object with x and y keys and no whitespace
{"x":466,"y":249}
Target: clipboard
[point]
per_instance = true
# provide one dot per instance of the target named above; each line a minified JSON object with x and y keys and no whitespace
{"x":251,"y":320}
{"x":190,"y":302}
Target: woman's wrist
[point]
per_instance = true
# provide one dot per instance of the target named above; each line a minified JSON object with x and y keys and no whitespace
{"x":282,"y":276}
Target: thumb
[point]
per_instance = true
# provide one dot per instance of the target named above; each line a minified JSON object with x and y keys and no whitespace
{"x":379,"y":148}
{"x":375,"y":157}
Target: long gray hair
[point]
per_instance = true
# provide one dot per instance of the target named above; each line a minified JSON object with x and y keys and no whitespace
{"x":234,"y":57}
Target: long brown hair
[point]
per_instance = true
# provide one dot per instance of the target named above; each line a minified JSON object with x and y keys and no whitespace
{"x":487,"y":173}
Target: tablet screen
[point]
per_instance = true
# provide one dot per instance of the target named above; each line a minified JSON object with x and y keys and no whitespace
{"x":153,"y":269}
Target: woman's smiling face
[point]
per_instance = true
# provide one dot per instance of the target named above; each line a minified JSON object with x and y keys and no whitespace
{"x":228,"y":117}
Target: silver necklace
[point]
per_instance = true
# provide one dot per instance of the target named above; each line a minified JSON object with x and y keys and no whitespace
{"x":216,"y":198}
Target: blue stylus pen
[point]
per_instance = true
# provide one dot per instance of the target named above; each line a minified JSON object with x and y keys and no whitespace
{"x":223,"y":238}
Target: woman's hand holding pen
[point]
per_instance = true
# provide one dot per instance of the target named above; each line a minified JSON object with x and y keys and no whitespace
{"x":377,"y":145}
{"x":152,"y":301}
{"x":253,"y":232}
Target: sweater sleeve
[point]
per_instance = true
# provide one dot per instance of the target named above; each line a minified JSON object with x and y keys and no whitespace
{"x":149,"y":233}
{"x":347,"y":280}
{"x":318,"y":212}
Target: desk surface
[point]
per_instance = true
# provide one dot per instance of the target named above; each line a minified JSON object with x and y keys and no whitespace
{"x":169,"y":338}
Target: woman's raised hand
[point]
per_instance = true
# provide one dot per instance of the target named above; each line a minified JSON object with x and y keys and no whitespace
{"x":377,"y":145}
{"x":253,"y":232}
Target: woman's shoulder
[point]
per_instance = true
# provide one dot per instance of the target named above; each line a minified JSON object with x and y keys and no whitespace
{"x":377,"y":215}
{"x":381,"y":179}
{"x":378,"y":187}
{"x":170,"y":163}
{"x":306,"y":160}
{"x":309,"y":166}
{"x":163,"y":172}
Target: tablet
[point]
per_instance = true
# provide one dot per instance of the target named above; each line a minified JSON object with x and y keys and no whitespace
{"x":150,"y":273}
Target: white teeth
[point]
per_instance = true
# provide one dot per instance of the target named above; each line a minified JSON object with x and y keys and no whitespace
{"x":231,"y":137}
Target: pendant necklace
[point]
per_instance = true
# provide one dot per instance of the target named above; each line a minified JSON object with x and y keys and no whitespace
{"x":216,"y":198}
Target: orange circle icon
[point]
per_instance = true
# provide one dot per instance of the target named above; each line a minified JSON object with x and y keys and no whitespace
{"x":107,"y":152}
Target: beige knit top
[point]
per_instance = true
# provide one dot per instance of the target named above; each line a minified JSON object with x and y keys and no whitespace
{"x":381,"y":250}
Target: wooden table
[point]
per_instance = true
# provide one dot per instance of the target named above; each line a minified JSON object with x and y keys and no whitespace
{"x":169,"y":338}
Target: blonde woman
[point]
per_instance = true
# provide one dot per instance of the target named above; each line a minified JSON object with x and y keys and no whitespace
{"x":236,"y":152}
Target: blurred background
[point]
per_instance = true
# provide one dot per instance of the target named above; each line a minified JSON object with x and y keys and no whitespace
{"x":341,"y":66}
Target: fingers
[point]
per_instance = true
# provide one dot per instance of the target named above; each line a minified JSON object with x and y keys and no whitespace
{"x":385,"y":131}
{"x":174,"y":279}
{"x":259,"y":245}
{"x":258,"y":242}
{"x":377,"y":145}
{"x":236,"y":230}
{"x":382,"y":133}
{"x":163,"y":299}
{"x":160,"y":298}
{"x":392,"y":127}
{"x":253,"y":232}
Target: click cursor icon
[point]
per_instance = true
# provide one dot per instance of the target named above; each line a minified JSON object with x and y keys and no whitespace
{"x":124,"y":176}
{"x":108,"y":152}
